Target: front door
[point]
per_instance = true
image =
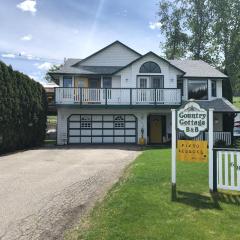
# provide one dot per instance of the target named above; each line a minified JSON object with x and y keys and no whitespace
{"x":155,"y":129}
{"x":94,"y":83}
{"x":94,"y":91}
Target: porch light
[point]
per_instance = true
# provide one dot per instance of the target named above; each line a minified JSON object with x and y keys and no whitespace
{"x":216,"y":121}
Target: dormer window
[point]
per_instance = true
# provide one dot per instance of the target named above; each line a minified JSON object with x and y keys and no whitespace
{"x":150,"y":67}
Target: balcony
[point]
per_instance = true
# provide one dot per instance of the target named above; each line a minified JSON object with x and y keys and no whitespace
{"x":117,"y":96}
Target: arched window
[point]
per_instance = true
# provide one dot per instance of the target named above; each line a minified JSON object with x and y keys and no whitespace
{"x":150,"y":67}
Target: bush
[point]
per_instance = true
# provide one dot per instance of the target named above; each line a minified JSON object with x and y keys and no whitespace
{"x":23,"y":109}
{"x":220,"y":144}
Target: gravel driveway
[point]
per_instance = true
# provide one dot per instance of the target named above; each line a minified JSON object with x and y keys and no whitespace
{"x":44,"y":192}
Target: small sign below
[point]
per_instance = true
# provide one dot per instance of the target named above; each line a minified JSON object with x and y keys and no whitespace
{"x":192,"y":119}
{"x":192,"y":151}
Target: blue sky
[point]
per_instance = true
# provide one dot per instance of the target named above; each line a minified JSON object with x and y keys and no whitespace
{"x":37,"y":33}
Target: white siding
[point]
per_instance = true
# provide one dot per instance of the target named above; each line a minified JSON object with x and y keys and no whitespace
{"x":209,"y":89}
{"x":115,"y":55}
{"x":185,"y":89}
{"x":219,"y":88}
{"x":116,"y":81}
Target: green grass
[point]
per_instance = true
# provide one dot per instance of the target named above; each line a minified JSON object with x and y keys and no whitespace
{"x":236,"y":101}
{"x":49,"y":142}
{"x":139,"y":206}
{"x":52,"y":119}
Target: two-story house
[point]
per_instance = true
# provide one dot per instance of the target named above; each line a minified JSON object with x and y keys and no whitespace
{"x":117,"y":95}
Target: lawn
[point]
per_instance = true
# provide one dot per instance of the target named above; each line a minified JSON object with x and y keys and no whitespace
{"x":236,"y":101}
{"x":139,"y":206}
{"x":52,"y":119}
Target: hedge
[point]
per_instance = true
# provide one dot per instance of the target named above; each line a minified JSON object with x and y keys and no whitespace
{"x":23,"y":111}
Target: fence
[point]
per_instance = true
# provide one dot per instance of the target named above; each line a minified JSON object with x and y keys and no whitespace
{"x":217,"y":136}
{"x":226,"y":168}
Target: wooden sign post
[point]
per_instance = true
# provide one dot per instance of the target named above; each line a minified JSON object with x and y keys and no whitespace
{"x":174,"y":156}
{"x":192,"y":120}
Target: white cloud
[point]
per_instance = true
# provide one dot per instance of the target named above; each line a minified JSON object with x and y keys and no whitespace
{"x":28,"y":6}
{"x":27,"y":37}
{"x":155,"y":25}
{"x":8,"y":55}
{"x":44,"y":66}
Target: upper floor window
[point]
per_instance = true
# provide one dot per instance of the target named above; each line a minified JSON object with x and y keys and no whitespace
{"x":67,"y":81}
{"x":198,"y":89}
{"x":150,"y":67}
{"x":214,"y":88}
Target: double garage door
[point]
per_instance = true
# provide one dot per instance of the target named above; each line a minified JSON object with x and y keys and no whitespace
{"x":102,"y":128}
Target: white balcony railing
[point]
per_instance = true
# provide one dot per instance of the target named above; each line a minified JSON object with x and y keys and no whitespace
{"x":118,"y":96}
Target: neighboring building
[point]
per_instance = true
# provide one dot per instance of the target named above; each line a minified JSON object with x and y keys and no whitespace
{"x":117,"y":95}
{"x":49,"y":88}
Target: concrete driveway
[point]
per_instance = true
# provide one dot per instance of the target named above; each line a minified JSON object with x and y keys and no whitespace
{"x":44,"y":192}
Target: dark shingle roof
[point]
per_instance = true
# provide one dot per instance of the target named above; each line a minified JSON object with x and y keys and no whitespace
{"x":197,"y":68}
{"x":68,"y":68}
{"x":192,"y":68}
{"x":219,"y":105}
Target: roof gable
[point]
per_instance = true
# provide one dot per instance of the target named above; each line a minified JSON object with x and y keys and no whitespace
{"x":150,"y":53}
{"x":115,"y":54}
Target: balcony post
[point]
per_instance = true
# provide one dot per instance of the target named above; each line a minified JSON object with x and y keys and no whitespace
{"x":155,"y":96}
{"x":105,"y":96}
{"x":131,"y":96}
{"x":81,"y":97}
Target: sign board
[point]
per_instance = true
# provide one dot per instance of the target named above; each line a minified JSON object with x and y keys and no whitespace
{"x":192,"y":151}
{"x":192,"y":119}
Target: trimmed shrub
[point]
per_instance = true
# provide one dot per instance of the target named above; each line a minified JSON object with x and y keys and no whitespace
{"x":23,"y":110}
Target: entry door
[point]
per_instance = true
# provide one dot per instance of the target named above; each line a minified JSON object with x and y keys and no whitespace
{"x":79,"y":83}
{"x":94,"y":83}
{"x":143,"y":82}
{"x":94,"y":92}
{"x":155,"y":129}
{"x":142,"y":92}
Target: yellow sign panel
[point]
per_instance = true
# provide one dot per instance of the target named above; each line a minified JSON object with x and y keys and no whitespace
{"x":192,"y":151}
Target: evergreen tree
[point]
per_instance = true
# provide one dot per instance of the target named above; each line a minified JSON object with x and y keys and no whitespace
{"x":23,"y":109}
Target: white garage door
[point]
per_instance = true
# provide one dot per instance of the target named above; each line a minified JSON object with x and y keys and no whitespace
{"x":102,"y":128}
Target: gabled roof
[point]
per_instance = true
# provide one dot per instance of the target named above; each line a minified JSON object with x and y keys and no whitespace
{"x":108,"y":46}
{"x":150,"y":53}
{"x":219,"y":105}
{"x":197,"y":68}
{"x":190,"y":68}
